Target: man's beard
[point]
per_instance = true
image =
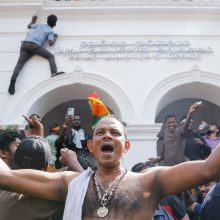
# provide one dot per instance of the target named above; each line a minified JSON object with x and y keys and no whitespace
{"x":76,"y":127}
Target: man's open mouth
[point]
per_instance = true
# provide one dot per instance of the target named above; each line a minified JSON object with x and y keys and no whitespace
{"x":107,"y":148}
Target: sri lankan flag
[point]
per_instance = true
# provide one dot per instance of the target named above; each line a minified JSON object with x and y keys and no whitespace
{"x":98,"y":108}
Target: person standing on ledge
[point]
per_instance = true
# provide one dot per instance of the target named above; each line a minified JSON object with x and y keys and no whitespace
{"x":33,"y":45}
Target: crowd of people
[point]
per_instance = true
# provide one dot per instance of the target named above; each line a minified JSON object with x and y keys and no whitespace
{"x":28,"y":149}
{"x":72,"y":176}
{"x":180,"y":144}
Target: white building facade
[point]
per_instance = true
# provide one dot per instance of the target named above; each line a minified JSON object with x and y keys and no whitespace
{"x":139,"y":56}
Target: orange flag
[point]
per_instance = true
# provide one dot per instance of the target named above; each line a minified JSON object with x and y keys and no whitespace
{"x":98,"y":108}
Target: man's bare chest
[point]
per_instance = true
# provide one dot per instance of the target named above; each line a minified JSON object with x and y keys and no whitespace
{"x":127,"y":203}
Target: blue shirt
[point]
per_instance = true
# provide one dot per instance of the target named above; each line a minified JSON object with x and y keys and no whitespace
{"x":210,"y":207}
{"x":40,"y":34}
{"x":197,"y":209}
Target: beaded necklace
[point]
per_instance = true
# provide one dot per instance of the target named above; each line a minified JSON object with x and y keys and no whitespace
{"x":108,"y":194}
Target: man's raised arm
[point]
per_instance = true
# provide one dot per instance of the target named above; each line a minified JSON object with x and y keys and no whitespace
{"x":33,"y":21}
{"x":192,"y":109}
{"x":187,"y":175}
{"x":68,"y":158}
{"x":51,"y":186}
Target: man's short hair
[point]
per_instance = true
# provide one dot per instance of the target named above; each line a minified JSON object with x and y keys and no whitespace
{"x":217,"y":126}
{"x":33,"y":153}
{"x":170,"y":116}
{"x":8,"y":136}
{"x":51,"y":20}
{"x":123,"y":123}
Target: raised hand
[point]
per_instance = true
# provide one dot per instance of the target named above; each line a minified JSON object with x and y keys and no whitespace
{"x":194,"y":107}
{"x":35,"y":126}
{"x":69,"y":158}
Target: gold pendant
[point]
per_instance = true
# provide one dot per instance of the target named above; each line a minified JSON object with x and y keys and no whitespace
{"x":102,"y":212}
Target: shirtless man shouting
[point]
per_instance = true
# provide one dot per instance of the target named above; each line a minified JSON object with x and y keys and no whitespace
{"x":111,"y":192}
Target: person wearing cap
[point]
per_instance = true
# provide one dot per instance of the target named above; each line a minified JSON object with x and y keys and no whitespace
{"x":34,"y":45}
{"x":30,"y":153}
